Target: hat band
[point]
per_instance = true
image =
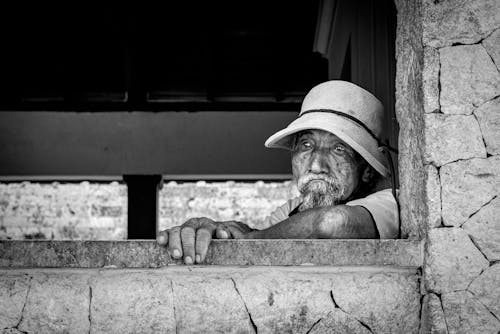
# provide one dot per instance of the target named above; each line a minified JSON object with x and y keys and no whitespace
{"x":355,"y":120}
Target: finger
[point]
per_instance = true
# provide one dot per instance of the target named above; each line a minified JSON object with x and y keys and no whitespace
{"x":162,"y":238}
{"x":187,"y":237}
{"x":233,"y":230}
{"x":174,"y":242}
{"x":203,"y":239}
{"x":222,"y":232}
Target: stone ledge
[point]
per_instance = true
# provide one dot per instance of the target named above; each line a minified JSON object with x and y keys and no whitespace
{"x":147,"y":254}
{"x":210,"y":299}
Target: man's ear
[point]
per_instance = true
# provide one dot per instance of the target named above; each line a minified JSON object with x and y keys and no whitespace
{"x":367,"y":174}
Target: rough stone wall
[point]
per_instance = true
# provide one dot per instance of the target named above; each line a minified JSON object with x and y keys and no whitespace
{"x":98,"y":211}
{"x":91,"y":211}
{"x":210,"y":300}
{"x":452,"y":106}
{"x":247,"y":202}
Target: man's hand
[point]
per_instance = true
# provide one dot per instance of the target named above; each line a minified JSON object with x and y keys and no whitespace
{"x":190,"y":240}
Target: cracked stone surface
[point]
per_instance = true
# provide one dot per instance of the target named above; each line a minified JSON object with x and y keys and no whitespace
{"x":217,"y":299}
{"x":467,"y":186}
{"x":281,"y":304}
{"x":371,"y":299}
{"x":433,"y":196}
{"x":132,"y":303}
{"x":486,"y":288}
{"x":11,"y":331}
{"x":492,"y":45}
{"x":465,"y":314}
{"x":338,"y":322}
{"x":433,"y":320}
{"x":461,"y":21}
{"x":484,"y":229}
{"x":488,"y":116}
{"x":452,"y":137}
{"x":452,"y":260}
{"x":468,"y":78}
{"x":13,"y":291}
{"x":430,"y":77}
{"x":209,"y":303}
{"x":57,"y":303}
{"x":284,"y":304}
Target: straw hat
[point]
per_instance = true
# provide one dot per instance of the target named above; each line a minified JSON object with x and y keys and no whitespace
{"x":346,"y":110}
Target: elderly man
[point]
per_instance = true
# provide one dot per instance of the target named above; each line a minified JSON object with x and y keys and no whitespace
{"x":337,"y":164}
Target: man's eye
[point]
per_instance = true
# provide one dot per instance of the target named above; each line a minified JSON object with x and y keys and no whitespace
{"x":306,"y":145}
{"x":339,"y":148}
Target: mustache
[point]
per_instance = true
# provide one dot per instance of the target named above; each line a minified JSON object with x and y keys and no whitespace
{"x":305,"y":180}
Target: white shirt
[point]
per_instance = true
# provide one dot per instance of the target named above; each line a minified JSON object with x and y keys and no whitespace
{"x":381,"y":205}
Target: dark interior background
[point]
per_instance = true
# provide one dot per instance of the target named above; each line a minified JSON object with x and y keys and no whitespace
{"x":182,"y":88}
{"x":141,"y":57}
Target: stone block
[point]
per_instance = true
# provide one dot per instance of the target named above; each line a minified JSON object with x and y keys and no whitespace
{"x":488,"y":116}
{"x":285,"y":304}
{"x":12,"y":331}
{"x":204,"y":304}
{"x":484,"y":228}
{"x":468,"y":78}
{"x":462,"y":21}
{"x":409,"y":112}
{"x":450,"y":138}
{"x":206,"y":299}
{"x":430,"y":77}
{"x":465,"y":314}
{"x":486,"y":288}
{"x":13,"y":291}
{"x":492,"y":45}
{"x":412,"y":180}
{"x":57,"y":303}
{"x":433,"y":196}
{"x":383,"y":302}
{"x":433,"y":321}
{"x":452,"y":260}
{"x":378,"y":301}
{"x":132,"y":303}
{"x":467,"y":186}
{"x":267,"y":252}
{"x":338,"y":322}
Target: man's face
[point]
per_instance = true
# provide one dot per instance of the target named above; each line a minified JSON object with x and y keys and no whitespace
{"x":326,"y":169}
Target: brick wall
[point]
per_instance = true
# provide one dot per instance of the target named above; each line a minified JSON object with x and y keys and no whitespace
{"x":98,"y":211}
{"x":83,"y":210}
{"x":246,"y":202}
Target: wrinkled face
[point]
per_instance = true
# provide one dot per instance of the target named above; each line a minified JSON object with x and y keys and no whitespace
{"x":326,"y":169}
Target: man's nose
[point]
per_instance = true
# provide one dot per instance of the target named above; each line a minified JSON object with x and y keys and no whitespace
{"x":317,"y":163}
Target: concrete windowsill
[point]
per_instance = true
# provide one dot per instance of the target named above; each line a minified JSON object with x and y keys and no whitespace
{"x":147,"y":254}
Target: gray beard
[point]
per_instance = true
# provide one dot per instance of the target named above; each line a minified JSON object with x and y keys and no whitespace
{"x":318,"y":194}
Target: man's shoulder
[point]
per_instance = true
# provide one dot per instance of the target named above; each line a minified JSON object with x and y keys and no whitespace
{"x":384,"y":210}
{"x":378,"y":194}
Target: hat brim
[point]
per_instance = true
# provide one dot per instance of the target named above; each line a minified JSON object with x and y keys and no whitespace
{"x":350,"y":132}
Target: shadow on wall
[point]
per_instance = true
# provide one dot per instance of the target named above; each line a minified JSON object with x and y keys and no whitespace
{"x":98,"y":211}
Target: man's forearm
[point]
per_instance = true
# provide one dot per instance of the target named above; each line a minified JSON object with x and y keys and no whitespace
{"x":333,"y":222}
